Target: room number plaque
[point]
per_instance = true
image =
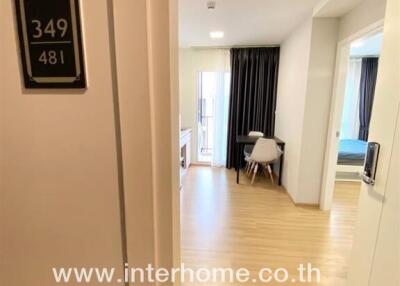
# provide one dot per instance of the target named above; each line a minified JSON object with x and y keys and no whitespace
{"x":51,"y":43}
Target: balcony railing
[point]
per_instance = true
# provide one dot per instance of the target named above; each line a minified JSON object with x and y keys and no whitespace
{"x":206,"y":135}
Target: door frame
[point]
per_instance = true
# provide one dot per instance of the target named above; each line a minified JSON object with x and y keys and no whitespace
{"x":336,"y":111}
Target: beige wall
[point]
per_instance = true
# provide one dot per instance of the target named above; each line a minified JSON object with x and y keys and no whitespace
{"x":59,"y":203}
{"x":174,"y":80}
{"x":59,"y":192}
{"x":365,"y":14}
{"x":163,"y":68}
{"x":191,"y":62}
{"x":135,"y":108}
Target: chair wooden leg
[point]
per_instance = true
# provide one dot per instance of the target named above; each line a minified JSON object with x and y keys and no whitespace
{"x":249,"y":168}
{"x":253,"y":164}
{"x":254,"y":173}
{"x":270,"y":173}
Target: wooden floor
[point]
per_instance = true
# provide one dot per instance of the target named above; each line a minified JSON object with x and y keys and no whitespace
{"x":230,"y":225}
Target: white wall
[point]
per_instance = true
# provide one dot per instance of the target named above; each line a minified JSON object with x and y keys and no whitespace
{"x":365,"y":14}
{"x":191,"y":62}
{"x":317,"y":107}
{"x":306,"y":73}
{"x":303,"y":100}
{"x":292,"y":86}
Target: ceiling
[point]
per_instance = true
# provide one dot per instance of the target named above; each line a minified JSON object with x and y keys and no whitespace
{"x":335,"y":8}
{"x":244,"y":22}
{"x":370,"y":46}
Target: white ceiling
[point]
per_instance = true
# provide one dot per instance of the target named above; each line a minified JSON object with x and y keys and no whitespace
{"x":370,"y":46}
{"x":244,"y":22}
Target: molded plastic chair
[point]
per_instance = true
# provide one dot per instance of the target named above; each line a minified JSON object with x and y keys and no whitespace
{"x":265,"y":152}
{"x":249,"y":148}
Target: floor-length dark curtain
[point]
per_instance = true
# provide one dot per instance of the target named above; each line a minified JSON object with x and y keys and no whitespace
{"x":253,"y":94}
{"x":369,"y":72}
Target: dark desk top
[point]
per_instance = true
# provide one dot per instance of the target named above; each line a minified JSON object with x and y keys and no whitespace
{"x":244,"y":139}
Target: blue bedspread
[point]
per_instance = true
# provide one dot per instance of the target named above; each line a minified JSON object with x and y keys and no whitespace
{"x":352,"y":151}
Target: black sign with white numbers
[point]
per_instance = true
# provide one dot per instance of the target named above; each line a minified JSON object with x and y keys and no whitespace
{"x":51,"y":43}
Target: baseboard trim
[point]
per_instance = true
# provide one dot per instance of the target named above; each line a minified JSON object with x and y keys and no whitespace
{"x":310,"y":205}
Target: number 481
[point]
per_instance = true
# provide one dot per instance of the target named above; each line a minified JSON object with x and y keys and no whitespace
{"x":52,"y":57}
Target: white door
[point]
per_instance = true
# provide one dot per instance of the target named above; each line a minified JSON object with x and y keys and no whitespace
{"x":386,"y":263}
{"x":376,"y":255}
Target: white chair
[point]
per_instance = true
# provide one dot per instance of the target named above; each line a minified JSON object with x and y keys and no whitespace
{"x":265,"y":152}
{"x":249,"y":148}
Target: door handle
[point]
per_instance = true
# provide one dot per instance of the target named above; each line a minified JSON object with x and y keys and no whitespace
{"x":371,"y":163}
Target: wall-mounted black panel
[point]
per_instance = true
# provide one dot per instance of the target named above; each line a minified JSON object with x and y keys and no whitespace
{"x":51,"y":43}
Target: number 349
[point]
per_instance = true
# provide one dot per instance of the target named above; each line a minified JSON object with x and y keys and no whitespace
{"x":51,"y":28}
{"x":52,"y":57}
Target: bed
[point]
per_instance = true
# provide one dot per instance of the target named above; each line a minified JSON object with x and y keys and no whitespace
{"x":350,"y":159}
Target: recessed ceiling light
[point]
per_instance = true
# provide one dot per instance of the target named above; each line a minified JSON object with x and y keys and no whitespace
{"x":216,"y":34}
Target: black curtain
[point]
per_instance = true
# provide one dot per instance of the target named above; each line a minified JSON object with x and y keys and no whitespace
{"x":369,"y":72}
{"x":253,"y":94}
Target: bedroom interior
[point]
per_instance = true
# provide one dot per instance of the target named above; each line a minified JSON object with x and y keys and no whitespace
{"x":357,"y":106}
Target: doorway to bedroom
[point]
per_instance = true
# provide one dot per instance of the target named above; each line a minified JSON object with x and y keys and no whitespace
{"x":358,"y":102}
{"x":353,"y":99}
{"x":357,"y":107}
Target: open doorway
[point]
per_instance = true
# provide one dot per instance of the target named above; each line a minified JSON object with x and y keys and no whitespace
{"x":223,"y":220}
{"x":351,"y":114}
{"x":357,"y":106}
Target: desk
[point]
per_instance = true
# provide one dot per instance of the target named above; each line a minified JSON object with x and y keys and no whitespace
{"x":242,"y":140}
